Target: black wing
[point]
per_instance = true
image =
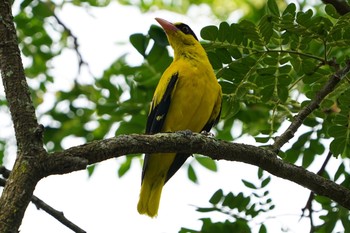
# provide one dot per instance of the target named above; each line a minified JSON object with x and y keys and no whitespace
{"x":158,"y":113}
{"x":211,"y":123}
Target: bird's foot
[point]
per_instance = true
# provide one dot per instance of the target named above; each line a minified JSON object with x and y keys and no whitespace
{"x":185,"y":132}
{"x":208,"y":134}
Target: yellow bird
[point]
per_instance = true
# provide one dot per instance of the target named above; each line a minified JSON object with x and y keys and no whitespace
{"x":188,"y":97}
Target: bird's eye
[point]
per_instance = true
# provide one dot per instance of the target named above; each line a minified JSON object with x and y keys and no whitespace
{"x":186,"y":30}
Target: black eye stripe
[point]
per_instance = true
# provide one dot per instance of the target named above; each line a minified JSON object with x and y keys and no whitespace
{"x":186,"y":29}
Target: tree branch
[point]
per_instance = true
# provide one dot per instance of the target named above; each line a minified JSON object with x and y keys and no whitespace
{"x":56,"y":214}
{"x":180,"y":142}
{"x":308,"y":109}
{"x":51,"y":211}
{"x":308,"y":205}
{"x":15,"y":197}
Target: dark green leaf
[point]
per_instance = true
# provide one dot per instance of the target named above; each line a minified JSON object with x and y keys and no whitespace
{"x":265,"y":182}
{"x":217,"y":196}
{"x":140,"y":42}
{"x":204,"y":210}
{"x":260,"y":173}
{"x":331,"y":11}
{"x":262,"y":229}
{"x":262,"y":139}
{"x":235,"y":52}
{"x":339,"y":172}
{"x":267,"y":92}
{"x":224,"y":32}
{"x":158,"y":35}
{"x":266,"y":27}
{"x":214,"y":60}
{"x":229,"y":200}
{"x":283,"y":93}
{"x":124,"y":167}
{"x":224,"y":55}
{"x":191,"y":174}
{"x":210,"y":33}
{"x":249,"y":184}
{"x":273,"y":8}
{"x":290,"y":10}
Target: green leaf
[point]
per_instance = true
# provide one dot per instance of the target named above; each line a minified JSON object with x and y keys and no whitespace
{"x":273,"y":8}
{"x":217,"y":197}
{"x":262,"y":139}
{"x":214,"y":60}
{"x":267,"y":92}
{"x":331,"y":11}
{"x":229,"y":201}
{"x":158,"y":35}
{"x":265,"y":182}
{"x":290,"y":10}
{"x":125,"y":166}
{"x":224,"y":55}
{"x":262,"y":229}
{"x":283,"y":93}
{"x":250,"y":31}
{"x":303,"y":18}
{"x":207,"y":163}
{"x":249,"y":184}
{"x":156,"y":52}
{"x":337,"y":131}
{"x":235,"y":52}
{"x":339,"y":172}
{"x":339,"y":146}
{"x":260,"y":173}
{"x":90,"y":169}
{"x":140,"y":42}
{"x":224,"y":32}
{"x":205,"y":210}
{"x":266,"y":27}
{"x":42,"y":9}
{"x":209,"y":33}
{"x":191,"y":174}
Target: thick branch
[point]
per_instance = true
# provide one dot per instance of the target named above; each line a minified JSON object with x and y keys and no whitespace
{"x":308,"y":109}
{"x":220,"y":150}
{"x":22,"y":181}
{"x":16,"y":87}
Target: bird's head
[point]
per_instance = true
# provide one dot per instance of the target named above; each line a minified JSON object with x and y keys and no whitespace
{"x":180,"y":35}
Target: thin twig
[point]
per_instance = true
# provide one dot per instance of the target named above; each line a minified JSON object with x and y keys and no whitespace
{"x":51,"y":211}
{"x":308,"y":109}
{"x":308,"y":205}
{"x":56,"y":214}
{"x":75,"y":41}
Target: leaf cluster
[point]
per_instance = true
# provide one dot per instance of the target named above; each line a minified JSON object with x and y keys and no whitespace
{"x":269,"y":70}
{"x":240,"y":210}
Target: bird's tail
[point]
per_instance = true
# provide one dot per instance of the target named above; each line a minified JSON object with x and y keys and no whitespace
{"x":151,"y":191}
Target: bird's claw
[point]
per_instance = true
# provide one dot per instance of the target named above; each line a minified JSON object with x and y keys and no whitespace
{"x":185,"y":132}
{"x":208,"y":134}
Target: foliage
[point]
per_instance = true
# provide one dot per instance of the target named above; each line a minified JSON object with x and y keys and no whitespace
{"x":270,"y":64}
{"x":240,"y":210}
{"x":253,"y":9}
